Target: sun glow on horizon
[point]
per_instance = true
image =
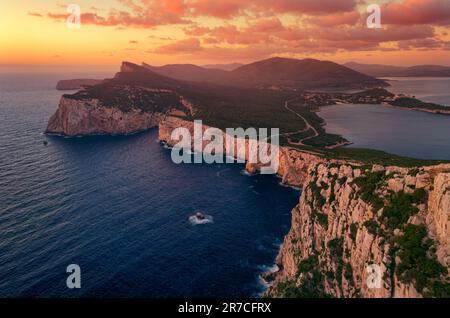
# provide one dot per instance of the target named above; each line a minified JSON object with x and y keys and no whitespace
{"x":209,"y":32}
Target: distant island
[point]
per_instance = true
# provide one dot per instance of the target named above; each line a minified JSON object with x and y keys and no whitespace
{"x":379,"y":70}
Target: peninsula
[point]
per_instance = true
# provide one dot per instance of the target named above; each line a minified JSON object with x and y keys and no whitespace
{"x":358,"y":206}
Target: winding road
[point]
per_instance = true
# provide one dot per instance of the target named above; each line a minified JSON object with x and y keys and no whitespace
{"x":308,"y":126}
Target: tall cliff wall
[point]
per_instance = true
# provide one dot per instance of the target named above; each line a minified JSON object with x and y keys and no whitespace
{"x":87,"y":117}
{"x":351,"y":216}
{"x":340,"y":227}
{"x":293,"y":164}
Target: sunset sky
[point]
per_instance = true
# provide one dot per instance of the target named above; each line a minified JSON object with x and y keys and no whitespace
{"x":223,"y":31}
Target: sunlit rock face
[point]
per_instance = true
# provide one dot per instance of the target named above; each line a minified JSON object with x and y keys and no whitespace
{"x":345,"y":218}
{"x":344,"y":234}
{"x":75,"y":118}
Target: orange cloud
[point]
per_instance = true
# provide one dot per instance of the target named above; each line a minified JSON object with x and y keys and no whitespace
{"x":149,"y":13}
{"x":219,"y":9}
{"x":331,"y":20}
{"x":143,"y":14}
{"x":307,"y":6}
{"x":184,"y":46}
{"x":417,"y":12}
{"x":35,"y":14}
{"x":261,"y":28}
{"x":272,"y":24}
{"x":427,"y":44}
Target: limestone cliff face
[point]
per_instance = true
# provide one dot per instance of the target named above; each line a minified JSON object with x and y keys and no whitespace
{"x":351,"y":216}
{"x":293,"y":164}
{"x":86,"y":117}
{"x":439,"y":216}
{"x":336,"y":234}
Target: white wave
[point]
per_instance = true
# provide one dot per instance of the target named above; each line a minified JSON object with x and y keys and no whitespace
{"x":271,"y":268}
{"x":246,"y":173}
{"x":264,"y":285}
{"x":289,"y":186}
{"x":194,"y":220}
{"x":219,"y":173}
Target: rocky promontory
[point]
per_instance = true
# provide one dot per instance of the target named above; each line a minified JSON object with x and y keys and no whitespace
{"x":89,"y":117}
{"x":115,"y":107}
{"x":353,"y":215}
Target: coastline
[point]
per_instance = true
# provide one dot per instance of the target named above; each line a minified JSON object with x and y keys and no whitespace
{"x":295,"y":170}
{"x":298,"y":169}
{"x":423,"y":110}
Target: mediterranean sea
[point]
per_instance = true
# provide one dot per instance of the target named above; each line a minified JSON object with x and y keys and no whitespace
{"x":119,"y":208}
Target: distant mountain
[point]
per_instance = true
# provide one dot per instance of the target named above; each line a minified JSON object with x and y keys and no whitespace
{"x":306,"y":74}
{"x":275,"y":73}
{"x":131,"y":73}
{"x":225,"y":67}
{"x":379,"y":70}
{"x":189,"y":72}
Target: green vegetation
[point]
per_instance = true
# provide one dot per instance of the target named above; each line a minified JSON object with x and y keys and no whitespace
{"x":296,"y":138}
{"x":322,"y":219}
{"x":353,"y":231}
{"x":371,"y":156}
{"x":127,"y":98}
{"x":332,"y":197}
{"x":372,"y":226}
{"x":408,"y":102}
{"x":319,"y":202}
{"x":419,"y":265}
{"x":374,"y":92}
{"x":317,"y":196}
{"x":231,"y":107}
{"x":311,"y":287}
{"x":368,"y":185}
{"x":401,"y":207}
{"x":308,"y":113}
{"x":324,"y":185}
{"x":325,"y":140}
{"x":336,"y":247}
{"x":307,"y":265}
{"x":414,"y":172}
{"x":348,"y":273}
{"x":342,"y":180}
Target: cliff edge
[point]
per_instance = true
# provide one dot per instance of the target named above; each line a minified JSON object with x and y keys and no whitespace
{"x":353,"y":219}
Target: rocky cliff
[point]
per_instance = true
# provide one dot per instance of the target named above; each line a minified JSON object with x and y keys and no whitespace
{"x":351,"y":218}
{"x":359,"y":231}
{"x":88,"y":117}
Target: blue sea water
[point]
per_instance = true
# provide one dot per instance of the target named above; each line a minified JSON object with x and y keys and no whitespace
{"x":119,"y":208}
{"x":430,"y":89}
{"x":395,"y":130}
